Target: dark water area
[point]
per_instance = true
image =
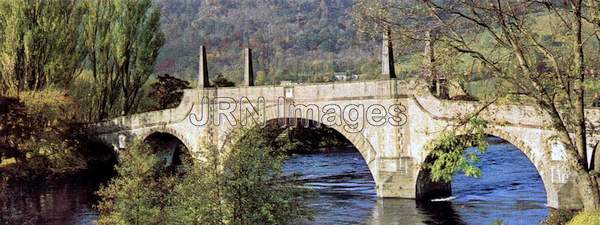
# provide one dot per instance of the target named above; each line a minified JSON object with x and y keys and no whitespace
{"x":509,"y":189}
{"x":66,"y":200}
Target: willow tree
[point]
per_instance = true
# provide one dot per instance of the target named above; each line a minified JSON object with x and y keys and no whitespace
{"x":39,"y":44}
{"x":543,"y":50}
{"x":123,"y":38}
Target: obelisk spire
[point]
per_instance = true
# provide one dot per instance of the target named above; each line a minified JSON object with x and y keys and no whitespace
{"x":248,"y":69}
{"x":203,"y":81}
{"x":387,"y":56}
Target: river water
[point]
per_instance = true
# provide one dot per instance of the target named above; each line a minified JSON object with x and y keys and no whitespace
{"x":509,"y":189}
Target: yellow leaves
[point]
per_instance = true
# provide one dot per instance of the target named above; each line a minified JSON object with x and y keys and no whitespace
{"x":586,"y":217}
{"x":53,"y":103}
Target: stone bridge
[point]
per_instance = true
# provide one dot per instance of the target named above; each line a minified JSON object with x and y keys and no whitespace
{"x":388,"y":121}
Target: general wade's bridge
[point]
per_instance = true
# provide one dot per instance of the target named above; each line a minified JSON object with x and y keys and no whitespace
{"x":399,"y":117}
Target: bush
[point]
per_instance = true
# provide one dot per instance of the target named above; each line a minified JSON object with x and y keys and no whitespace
{"x":133,"y":197}
{"x":586,"y":218}
{"x":559,"y":217}
{"x":38,"y":132}
{"x":243,"y":189}
{"x":251,"y":186}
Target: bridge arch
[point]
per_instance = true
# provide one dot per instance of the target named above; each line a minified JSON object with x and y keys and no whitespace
{"x":357,"y":139}
{"x":101,"y":157}
{"x":426,"y":189}
{"x":537,"y":162}
{"x":167,"y":131}
{"x":168,"y":144}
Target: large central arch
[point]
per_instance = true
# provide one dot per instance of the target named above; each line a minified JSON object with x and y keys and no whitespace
{"x":357,"y":139}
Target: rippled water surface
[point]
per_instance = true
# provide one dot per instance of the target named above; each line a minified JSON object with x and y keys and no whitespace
{"x":509,"y":189}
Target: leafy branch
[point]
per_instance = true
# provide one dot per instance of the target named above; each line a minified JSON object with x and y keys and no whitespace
{"x":449,"y":152}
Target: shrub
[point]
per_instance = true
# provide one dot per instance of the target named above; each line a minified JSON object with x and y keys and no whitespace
{"x":586,"y":218}
{"x":243,"y":189}
{"x":559,"y":217}
{"x":38,"y":131}
{"x":251,"y":186}
{"x":133,"y":197}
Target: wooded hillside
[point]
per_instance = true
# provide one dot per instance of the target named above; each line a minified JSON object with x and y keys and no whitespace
{"x":292,"y":40}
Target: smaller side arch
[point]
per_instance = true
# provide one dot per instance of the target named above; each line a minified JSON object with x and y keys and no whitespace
{"x":426,"y":189}
{"x":168,"y":146}
{"x":100,"y":157}
{"x":148,"y":132}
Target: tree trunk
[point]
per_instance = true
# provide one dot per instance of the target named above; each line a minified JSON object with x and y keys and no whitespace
{"x":580,"y":132}
{"x":588,"y":190}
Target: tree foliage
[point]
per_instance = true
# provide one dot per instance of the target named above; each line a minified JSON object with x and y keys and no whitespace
{"x":243,"y":188}
{"x":40,"y":44}
{"x":221,"y":81}
{"x":49,"y":44}
{"x":586,"y":217}
{"x":167,"y":91}
{"x":251,"y":193}
{"x":122,"y":39}
{"x":291,"y":40}
{"x":36,"y":132}
{"x":540,"y":51}
{"x":449,"y":152}
{"x":134,"y":196}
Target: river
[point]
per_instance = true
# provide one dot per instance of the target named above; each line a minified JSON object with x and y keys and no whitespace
{"x":509,"y":189}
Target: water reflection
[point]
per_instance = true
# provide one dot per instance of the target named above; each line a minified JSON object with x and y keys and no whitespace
{"x":407,"y":211}
{"x":63,"y":201}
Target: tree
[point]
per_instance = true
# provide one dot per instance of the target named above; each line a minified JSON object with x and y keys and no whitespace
{"x":221,"y":81}
{"x":138,"y":39}
{"x":39,"y":44}
{"x":122,"y":39}
{"x":242,"y":186}
{"x":507,"y":37}
{"x":133,"y":197}
{"x":283,"y":34}
{"x":448,"y":152}
{"x":167,"y":91}
{"x":36,"y":130}
{"x":251,"y":185}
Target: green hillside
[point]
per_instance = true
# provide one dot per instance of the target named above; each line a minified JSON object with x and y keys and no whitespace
{"x":301,"y":39}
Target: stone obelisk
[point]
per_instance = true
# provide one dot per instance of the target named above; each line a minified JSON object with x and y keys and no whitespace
{"x":203,"y":81}
{"x":248,"y":69}
{"x":387,"y":56}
